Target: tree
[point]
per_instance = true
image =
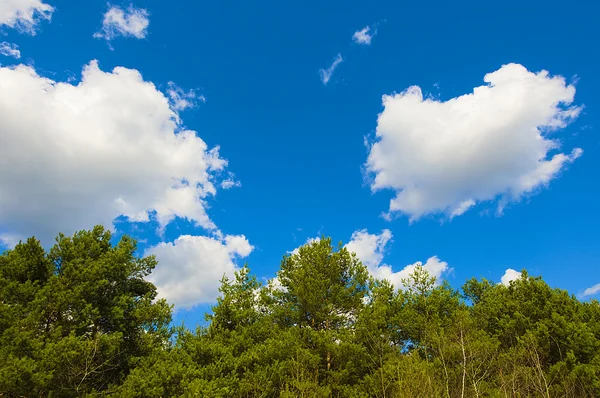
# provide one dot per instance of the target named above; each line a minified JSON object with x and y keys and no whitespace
{"x":322,"y":294}
{"x":322,"y":289}
{"x":76,"y":319}
{"x":81,"y":320}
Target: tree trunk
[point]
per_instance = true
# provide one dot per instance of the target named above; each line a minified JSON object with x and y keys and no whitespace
{"x":462,"y":345}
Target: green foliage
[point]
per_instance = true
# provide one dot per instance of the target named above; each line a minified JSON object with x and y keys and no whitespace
{"x":322,"y":289}
{"x":81,"y":320}
{"x":76,"y":319}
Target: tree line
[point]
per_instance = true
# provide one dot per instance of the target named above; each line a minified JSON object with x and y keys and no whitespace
{"x":81,"y":320}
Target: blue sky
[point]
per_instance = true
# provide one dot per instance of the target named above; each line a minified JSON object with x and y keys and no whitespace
{"x":298,"y":150}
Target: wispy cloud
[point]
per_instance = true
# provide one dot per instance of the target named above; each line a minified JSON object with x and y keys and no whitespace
{"x":363,"y":36}
{"x":181,"y":99}
{"x":24,"y":15}
{"x":327,"y":73}
{"x":591,"y":291}
{"x":10,"y":50}
{"x":132,"y":22}
{"x":230,"y":182}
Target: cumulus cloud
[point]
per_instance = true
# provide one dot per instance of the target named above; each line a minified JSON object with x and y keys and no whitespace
{"x":24,"y":15}
{"x":434,"y":267}
{"x":363,"y":36}
{"x":10,"y":50}
{"x":189,"y":269}
{"x":327,"y":73}
{"x":591,"y":291}
{"x":370,"y":249}
{"x":509,"y":275}
{"x":444,"y":157}
{"x":72,"y":156}
{"x":130,"y":22}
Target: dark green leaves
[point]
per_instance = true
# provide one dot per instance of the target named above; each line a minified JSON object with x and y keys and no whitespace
{"x":75,"y":320}
{"x":82,"y":320}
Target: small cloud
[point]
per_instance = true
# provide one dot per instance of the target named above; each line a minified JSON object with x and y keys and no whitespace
{"x":181,"y":99}
{"x":24,"y":15}
{"x":370,"y":250}
{"x":591,"y":291}
{"x":190,"y":268}
{"x":227,"y":184}
{"x":326,"y":73}
{"x":9,"y":241}
{"x":363,"y":37}
{"x":230,"y":182}
{"x":10,"y":50}
{"x":132,"y":22}
{"x":509,"y":276}
{"x":309,"y":241}
{"x":462,"y":208}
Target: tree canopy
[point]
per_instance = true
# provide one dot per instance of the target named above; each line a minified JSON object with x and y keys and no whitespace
{"x":82,"y":320}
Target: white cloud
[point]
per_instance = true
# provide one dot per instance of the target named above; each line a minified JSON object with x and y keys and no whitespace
{"x":230,"y":182}
{"x":462,"y":208}
{"x":509,"y":275}
{"x":362,"y":36}
{"x":189,"y":269}
{"x":10,"y":240}
{"x":591,"y":291}
{"x":276,"y":284}
{"x":327,"y":73}
{"x":132,"y":22}
{"x":370,"y":249}
{"x":10,"y":50}
{"x":181,"y":99}
{"x":444,"y":157}
{"x":308,"y":242}
{"x":24,"y":15}
{"x":434,"y":267}
{"x":73,"y":156}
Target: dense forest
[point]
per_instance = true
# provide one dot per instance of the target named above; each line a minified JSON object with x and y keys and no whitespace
{"x":81,"y":320}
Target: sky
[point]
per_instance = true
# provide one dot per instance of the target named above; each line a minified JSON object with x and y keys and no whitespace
{"x":456,"y":135}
